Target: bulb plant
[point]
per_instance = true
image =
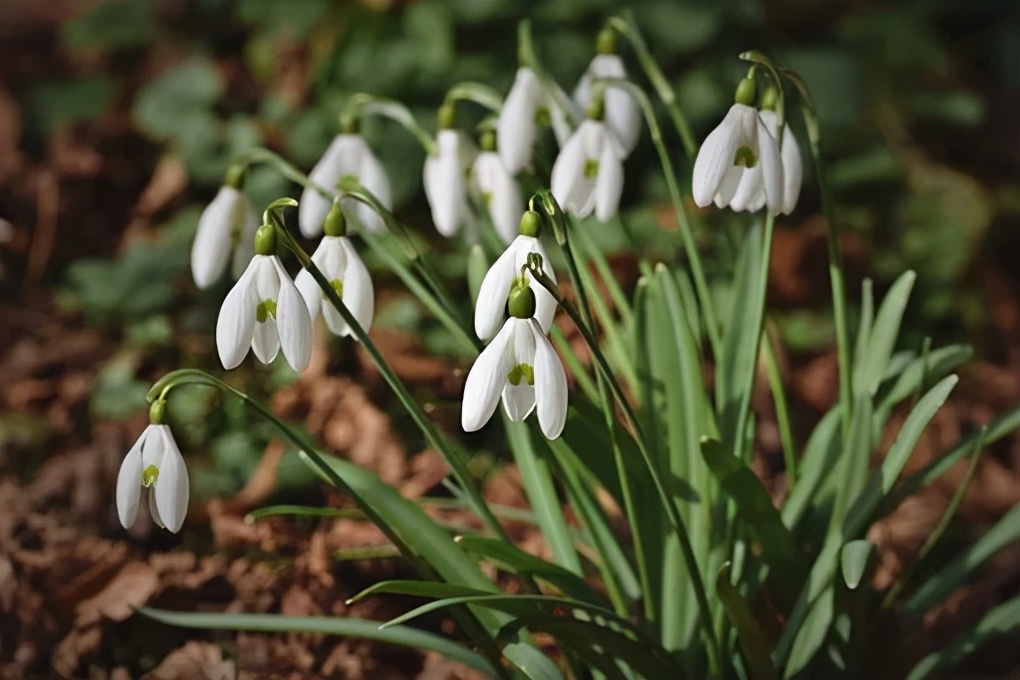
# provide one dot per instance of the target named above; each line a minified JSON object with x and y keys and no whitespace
{"x":708,"y":578}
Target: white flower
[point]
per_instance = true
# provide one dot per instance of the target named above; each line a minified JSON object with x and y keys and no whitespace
{"x":622,"y":114}
{"x":737,"y":160}
{"x":588,"y":173}
{"x":492,"y":294}
{"x":227,"y":224}
{"x":155,"y":463}
{"x":264,"y":311}
{"x":499,"y":193}
{"x":343,"y":268}
{"x":445,"y":186}
{"x":521,"y":365}
{"x":347,"y":155}
{"x":793,"y":167}
{"x":517,"y":127}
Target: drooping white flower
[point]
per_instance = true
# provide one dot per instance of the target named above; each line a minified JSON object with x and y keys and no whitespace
{"x":264,"y":311}
{"x":445,"y":185}
{"x":517,"y":127}
{"x":588,"y":173}
{"x":622,"y":114}
{"x":347,"y":155}
{"x":521,"y":366}
{"x":737,"y":159}
{"x":155,"y":464}
{"x":496,"y":285}
{"x":343,"y":268}
{"x":499,"y":192}
{"x":793,"y":167}
{"x":227,"y":226}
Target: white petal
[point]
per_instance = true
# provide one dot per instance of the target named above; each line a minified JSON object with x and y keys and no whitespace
{"x":728,"y":186}
{"x":313,"y":207}
{"x":210,"y":251}
{"x":244,"y":250}
{"x":372,"y":175}
{"x":518,"y":400}
{"x":310,"y":292}
{"x":793,"y":167}
{"x":265,"y":341}
{"x":172,"y":487}
{"x":550,"y":386}
{"x":505,"y":204}
{"x":545,"y":303}
{"x":485,"y":381}
{"x":236,"y":322}
{"x":748,"y":189}
{"x":492,"y":294}
{"x":129,"y":482}
{"x":622,"y":115}
{"x":572,"y":190}
{"x":771,"y":168}
{"x":444,"y":184}
{"x":359,"y":294}
{"x":516,"y":129}
{"x":716,"y":155}
{"x":292,"y":322}
{"x":608,"y":185}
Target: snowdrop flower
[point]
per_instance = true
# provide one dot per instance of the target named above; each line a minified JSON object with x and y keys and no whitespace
{"x":344,"y":270}
{"x":588,"y":173}
{"x":519,"y":119}
{"x":445,"y":185}
{"x":623,"y":116}
{"x":227,"y":224}
{"x":520,"y":365}
{"x":793,"y":167}
{"x":498,"y":281}
{"x":155,"y":464}
{"x":497,"y":188}
{"x":264,"y":311}
{"x":348,"y":155}
{"x":738,"y":159}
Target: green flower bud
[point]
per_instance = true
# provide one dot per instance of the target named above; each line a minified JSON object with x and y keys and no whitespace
{"x":336,"y":223}
{"x":265,"y":240}
{"x":488,"y":141}
{"x":597,"y":107}
{"x":157,"y":412}
{"x":447,"y":116}
{"x":521,"y":302}
{"x":770,"y":98}
{"x":531,"y":224}
{"x":235,"y":177}
{"x":745,"y":92}
{"x":606,"y":42}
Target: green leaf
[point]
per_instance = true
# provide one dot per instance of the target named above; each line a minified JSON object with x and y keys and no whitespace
{"x":994,"y":625}
{"x":756,"y":647}
{"x":871,"y":366}
{"x":113,"y":25}
{"x":923,"y":369}
{"x":170,"y":106}
{"x":52,"y":102}
{"x":1005,"y":532}
{"x":854,"y":560}
{"x":325,"y":625}
{"x":519,"y":562}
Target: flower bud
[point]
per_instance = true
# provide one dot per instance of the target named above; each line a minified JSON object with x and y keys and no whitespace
{"x":265,"y":240}
{"x":521,"y":302}
{"x":336,"y":223}
{"x":531,"y":224}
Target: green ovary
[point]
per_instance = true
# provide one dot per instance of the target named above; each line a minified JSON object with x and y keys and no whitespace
{"x":745,"y":157}
{"x":265,"y":311}
{"x":521,"y":371}
{"x":149,"y":475}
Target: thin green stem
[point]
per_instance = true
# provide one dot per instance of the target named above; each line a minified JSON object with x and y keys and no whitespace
{"x":686,"y":232}
{"x":627,"y":27}
{"x":412,"y":407}
{"x":782,"y":411}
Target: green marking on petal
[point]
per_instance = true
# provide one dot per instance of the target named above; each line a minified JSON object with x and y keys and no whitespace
{"x":542,"y":117}
{"x":149,"y":475}
{"x":487,"y":199}
{"x":746,"y":157}
{"x":591,"y":168}
{"x":265,"y":311}
{"x":521,"y":371}
{"x":338,"y":286}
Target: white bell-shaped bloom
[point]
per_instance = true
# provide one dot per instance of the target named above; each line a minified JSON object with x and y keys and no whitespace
{"x":793,"y":166}
{"x":343,"y":268}
{"x":264,"y":311}
{"x":155,"y":464}
{"x":622,"y":114}
{"x":445,"y":185}
{"x":520,"y":365}
{"x":348,"y":155}
{"x":492,"y":294}
{"x":227,"y":226}
{"x":517,"y":127}
{"x":499,"y":193}
{"x":588,"y":173}
{"x":737,"y":160}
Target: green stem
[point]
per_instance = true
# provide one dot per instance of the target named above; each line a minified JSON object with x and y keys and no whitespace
{"x":627,"y":27}
{"x":714,"y":649}
{"x":686,"y":232}
{"x":412,"y":407}
{"x":782,"y":412}
{"x":479,"y":93}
